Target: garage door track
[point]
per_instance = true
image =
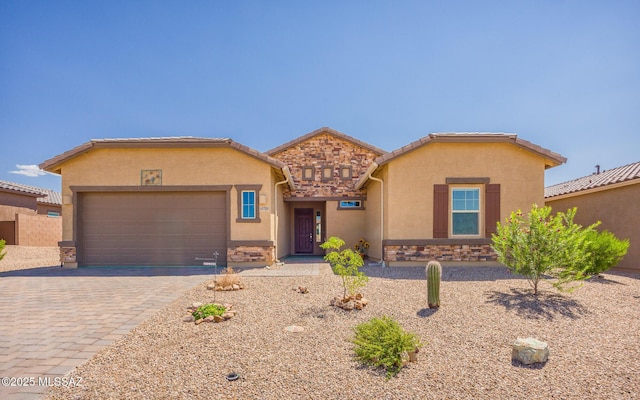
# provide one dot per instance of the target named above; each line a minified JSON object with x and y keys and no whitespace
{"x":54,"y":319}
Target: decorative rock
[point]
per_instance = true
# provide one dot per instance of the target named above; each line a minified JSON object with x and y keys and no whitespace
{"x":529,"y":351}
{"x":196,"y":304}
{"x":209,"y":318}
{"x":217,"y":318}
{"x":227,"y":288}
{"x":413,"y":355}
{"x":357,"y":305}
{"x":235,"y":286}
{"x":188,"y":318}
{"x":294,"y":329}
{"x":348,"y":306}
{"x":199,"y":321}
{"x":364,"y":301}
{"x":226,"y":315}
{"x":302,"y":290}
{"x":211,"y":286}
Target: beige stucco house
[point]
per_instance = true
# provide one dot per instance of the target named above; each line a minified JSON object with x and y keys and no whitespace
{"x":173,"y":201}
{"x":612,"y":197}
{"x":29,"y":215}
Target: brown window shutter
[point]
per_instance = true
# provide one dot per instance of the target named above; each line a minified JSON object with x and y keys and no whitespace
{"x":440,"y":211}
{"x":491,"y":208}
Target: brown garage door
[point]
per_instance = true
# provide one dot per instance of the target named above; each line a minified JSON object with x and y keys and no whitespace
{"x":151,"y":228}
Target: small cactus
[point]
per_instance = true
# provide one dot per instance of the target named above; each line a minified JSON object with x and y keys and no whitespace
{"x":434,"y":272}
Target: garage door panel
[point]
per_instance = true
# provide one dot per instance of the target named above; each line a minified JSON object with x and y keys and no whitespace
{"x":165,"y":228}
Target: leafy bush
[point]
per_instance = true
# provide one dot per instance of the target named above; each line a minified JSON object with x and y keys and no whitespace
{"x":542,"y":245}
{"x":382,"y":342}
{"x":206,"y":310}
{"x":345,"y":263}
{"x":605,"y":249}
{"x":2,"y":253}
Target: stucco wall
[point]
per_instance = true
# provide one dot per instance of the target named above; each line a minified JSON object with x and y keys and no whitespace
{"x":180,"y":166}
{"x":349,"y":225}
{"x":410,"y":180}
{"x":14,"y":203}
{"x":618,"y":211}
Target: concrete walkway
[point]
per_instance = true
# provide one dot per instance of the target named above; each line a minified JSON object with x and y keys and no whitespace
{"x":54,"y":319}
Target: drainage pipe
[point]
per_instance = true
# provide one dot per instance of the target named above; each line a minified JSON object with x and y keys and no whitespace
{"x":381,"y":211}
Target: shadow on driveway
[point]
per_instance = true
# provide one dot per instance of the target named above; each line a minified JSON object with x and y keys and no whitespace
{"x":110,"y":271}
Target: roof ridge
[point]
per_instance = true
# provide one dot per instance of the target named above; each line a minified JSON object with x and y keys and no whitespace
{"x":325,"y":129}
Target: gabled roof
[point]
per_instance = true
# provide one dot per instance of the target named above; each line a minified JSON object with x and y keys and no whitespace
{"x":53,"y":164}
{"x":626,"y":173}
{"x":551,"y":159}
{"x":330,"y":131}
{"x":45,"y":196}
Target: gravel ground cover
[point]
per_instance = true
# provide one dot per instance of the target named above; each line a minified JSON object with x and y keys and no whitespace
{"x":24,"y":257}
{"x":593,"y":335}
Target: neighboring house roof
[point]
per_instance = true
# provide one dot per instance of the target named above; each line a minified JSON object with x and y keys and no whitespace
{"x":551,"y":158}
{"x":45,"y":196}
{"x":54,"y":164}
{"x":321,"y":131}
{"x":626,"y":173}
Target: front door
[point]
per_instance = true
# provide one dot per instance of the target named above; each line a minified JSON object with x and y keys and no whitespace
{"x":303,"y":230}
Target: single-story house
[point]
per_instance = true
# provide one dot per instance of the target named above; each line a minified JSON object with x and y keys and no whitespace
{"x":612,"y":197}
{"x":175,"y":200}
{"x":20,"y":207}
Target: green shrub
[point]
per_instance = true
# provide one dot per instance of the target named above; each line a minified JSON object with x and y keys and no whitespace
{"x":382,"y":342}
{"x":346,"y":264}
{"x":2,"y":253}
{"x":605,"y":249}
{"x":206,"y":310}
{"x":543,"y":245}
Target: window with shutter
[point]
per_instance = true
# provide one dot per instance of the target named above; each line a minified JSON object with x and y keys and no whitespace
{"x":492,"y":208}
{"x":440,"y":211}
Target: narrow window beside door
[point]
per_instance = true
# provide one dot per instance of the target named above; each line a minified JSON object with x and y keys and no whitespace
{"x":248,"y":204}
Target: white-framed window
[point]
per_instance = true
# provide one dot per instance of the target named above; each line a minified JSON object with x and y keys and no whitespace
{"x":248,"y":204}
{"x":350,"y":204}
{"x":465,"y":211}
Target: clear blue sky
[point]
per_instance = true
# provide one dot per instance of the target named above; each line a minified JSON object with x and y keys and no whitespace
{"x":562,"y":74}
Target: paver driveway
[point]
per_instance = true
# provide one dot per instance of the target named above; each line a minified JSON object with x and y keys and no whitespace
{"x":54,"y":319}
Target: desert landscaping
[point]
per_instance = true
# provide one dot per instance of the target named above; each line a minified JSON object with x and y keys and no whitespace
{"x":592,"y":336}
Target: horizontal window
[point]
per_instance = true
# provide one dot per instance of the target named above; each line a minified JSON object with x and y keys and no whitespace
{"x":350,"y":204}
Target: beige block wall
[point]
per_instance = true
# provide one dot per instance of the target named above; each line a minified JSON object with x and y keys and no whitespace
{"x":349,"y":225}
{"x":180,"y":166}
{"x":38,"y":230}
{"x":617,"y":209}
{"x":410,"y":180}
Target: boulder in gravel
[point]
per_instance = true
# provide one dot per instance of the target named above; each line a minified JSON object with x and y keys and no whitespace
{"x":188,"y":318}
{"x":529,"y":351}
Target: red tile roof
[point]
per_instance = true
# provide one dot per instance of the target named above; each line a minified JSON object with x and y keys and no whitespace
{"x":53,"y":164}
{"x":604,"y":178}
{"x":45,"y":196}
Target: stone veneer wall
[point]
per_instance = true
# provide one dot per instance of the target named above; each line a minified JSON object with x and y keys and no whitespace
{"x":67,"y":254}
{"x":251,"y":254}
{"x":446,"y":252}
{"x":320,"y":151}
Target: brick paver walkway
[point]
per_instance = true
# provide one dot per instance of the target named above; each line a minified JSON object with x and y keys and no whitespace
{"x":54,"y":319}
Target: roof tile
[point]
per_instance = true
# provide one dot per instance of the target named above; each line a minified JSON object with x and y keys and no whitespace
{"x":616,"y":175}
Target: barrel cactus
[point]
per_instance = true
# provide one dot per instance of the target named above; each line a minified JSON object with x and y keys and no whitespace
{"x":434,"y":272}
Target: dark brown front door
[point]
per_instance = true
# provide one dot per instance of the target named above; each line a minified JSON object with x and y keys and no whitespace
{"x":303,"y":230}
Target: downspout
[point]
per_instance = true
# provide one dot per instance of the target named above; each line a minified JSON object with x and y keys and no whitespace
{"x":375,"y":166}
{"x":287,"y":175}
